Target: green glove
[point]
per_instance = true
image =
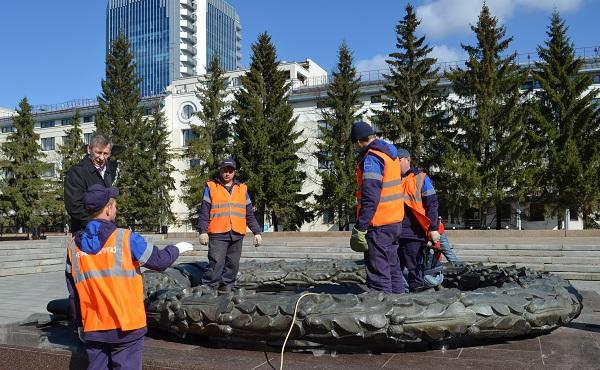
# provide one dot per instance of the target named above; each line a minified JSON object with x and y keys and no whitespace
{"x":358,"y":240}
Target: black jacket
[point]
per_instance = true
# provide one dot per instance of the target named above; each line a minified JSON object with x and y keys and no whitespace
{"x":79,"y":178}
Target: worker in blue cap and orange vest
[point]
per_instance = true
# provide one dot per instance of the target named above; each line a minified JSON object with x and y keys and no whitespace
{"x":380,"y":209}
{"x":420,"y":223}
{"x":105,"y":283}
{"x":225,"y":212}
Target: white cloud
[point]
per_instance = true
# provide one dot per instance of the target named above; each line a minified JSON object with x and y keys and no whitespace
{"x":442,"y":17}
{"x":374,"y":64}
{"x":445,"y":54}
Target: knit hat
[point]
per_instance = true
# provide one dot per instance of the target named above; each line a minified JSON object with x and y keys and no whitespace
{"x":360,"y":130}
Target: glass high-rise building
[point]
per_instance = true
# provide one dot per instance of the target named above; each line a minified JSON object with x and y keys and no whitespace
{"x":175,"y":38}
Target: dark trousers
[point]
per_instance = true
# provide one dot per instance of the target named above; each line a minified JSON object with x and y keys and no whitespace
{"x":115,"y":356}
{"x":409,"y":252}
{"x":381,"y":260}
{"x":223,"y":262}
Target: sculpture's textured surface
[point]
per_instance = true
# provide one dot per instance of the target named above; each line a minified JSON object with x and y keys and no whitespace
{"x":478,"y":302}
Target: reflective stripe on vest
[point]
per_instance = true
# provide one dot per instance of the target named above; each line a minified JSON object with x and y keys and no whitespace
{"x":109,"y":285}
{"x":391,"y":207}
{"x":227,"y":210}
{"x":413,"y":197}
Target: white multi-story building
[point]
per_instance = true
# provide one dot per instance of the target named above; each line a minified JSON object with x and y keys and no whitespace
{"x":309,"y":84}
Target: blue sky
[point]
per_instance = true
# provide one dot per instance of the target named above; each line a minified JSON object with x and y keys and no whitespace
{"x":53,"y":51}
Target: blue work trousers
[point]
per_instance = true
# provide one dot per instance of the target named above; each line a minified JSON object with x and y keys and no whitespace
{"x":409,"y":252}
{"x":381,"y":259}
{"x":115,"y":356}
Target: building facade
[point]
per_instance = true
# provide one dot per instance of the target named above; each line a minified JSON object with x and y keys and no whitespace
{"x":309,"y":84}
{"x":173,"y":39}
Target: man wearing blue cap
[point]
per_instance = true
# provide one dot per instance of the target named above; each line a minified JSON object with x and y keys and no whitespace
{"x":225,"y":213}
{"x":380,"y":209}
{"x":420,"y":220}
{"x":105,"y":283}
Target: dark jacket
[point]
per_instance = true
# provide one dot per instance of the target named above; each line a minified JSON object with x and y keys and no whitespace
{"x":204,"y":216}
{"x":411,"y":229}
{"x":79,"y":178}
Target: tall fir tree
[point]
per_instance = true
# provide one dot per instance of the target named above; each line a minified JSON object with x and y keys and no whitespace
{"x":210,"y":140}
{"x":565,"y":121}
{"x":338,"y":182}
{"x":412,"y":99}
{"x":488,"y":129}
{"x":120,"y":116}
{"x":71,"y":151}
{"x":265,"y":142}
{"x":153,"y":174}
{"x":22,"y":186}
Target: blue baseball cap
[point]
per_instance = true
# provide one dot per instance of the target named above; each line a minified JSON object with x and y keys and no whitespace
{"x":97,"y":196}
{"x":227,"y":163}
{"x":403,"y":153}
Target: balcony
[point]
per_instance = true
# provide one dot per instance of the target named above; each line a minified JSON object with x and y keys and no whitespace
{"x":188,"y":48}
{"x":187,"y":25}
{"x":187,"y":13}
{"x":188,"y":36}
{"x":190,"y":4}
{"x":187,"y":59}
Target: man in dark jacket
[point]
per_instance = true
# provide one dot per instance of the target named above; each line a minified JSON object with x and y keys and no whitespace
{"x":95,"y":168}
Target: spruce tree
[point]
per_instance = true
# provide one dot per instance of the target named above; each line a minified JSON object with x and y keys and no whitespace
{"x":210,"y":141}
{"x":265,"y":142}
{"x":151,"y":201}
{"x":120,"y":116}
{"x":338,"y":182}
{"x":411,"y":100}
{"x":71,"y":150}
{"x":566,"y":121}
{"x":488,"y":129}
{"x":22,"y":186}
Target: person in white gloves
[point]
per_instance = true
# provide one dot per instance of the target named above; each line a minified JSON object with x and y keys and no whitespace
{"x":225,"y":213}
{"x":105,"y":283}
{"x":420,"y":222}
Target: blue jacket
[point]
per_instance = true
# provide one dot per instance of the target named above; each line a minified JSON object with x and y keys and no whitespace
{"x":411,"y":229}
{"x":372,"y":172}
{"x":91,"y":241}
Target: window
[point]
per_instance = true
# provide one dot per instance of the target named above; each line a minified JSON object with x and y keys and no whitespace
{"x":50,"y":171}
{"x":325,"y":163}
{"x":376,"y":99}
{"x":536,"y":212}
{"x":47,"y":143}
{"x":187,"y":111}
{"x":148,"y":111}
{"x":6,"y":129}
{"x":188,"y":134}
{"x":87,"y":138}
{"x":88,"y":119}
{"x":328,"y":217}
{"x":573,"y":214}
{"x":322,"y":125}
{"x":194,"y":163}
{"x":46,"y":124}
{"x":66,"y":121}
{"x":321,"y":103}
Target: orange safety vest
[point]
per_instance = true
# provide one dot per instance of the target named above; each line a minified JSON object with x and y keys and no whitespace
{"x":412,"y":187}
{"x":109,"y":285}
{"x":227,"y":211}
{"x":391,"y":207}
